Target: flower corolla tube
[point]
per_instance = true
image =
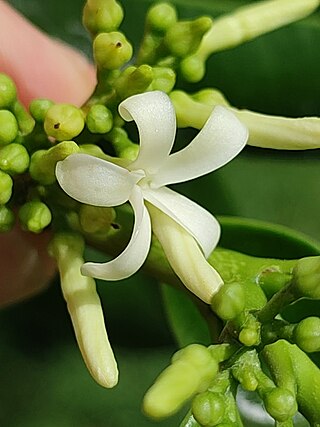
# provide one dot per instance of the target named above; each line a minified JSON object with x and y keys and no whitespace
{"x":142,"y":183}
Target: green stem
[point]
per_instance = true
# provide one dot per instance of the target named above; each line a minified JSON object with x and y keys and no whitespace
{"x":281,"y":299}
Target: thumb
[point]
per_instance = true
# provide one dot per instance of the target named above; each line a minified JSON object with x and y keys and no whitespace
{"x":41,"y":66}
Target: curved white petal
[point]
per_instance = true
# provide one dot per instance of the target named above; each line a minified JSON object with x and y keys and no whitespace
{"x":95,"y":181}
{"x":155,"y":117}
{"x":219,"y":141}
{"x":134,"y":255}
{"x":185,"y":256}
{"x":197,"y":221}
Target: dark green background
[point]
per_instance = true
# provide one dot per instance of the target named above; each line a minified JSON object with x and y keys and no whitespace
{"x":43,"y":381}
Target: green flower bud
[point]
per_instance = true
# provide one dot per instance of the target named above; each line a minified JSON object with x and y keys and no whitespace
{"x":249,"y":336}
{"x":63,"y":122}
{"x":184,"y":37}
{"x":164,"y":79}
{"x":6,"y":184}
{"x":26,"y":123}
{"x":130,"y":153}
{"x":192,"y":68}
{"x":8,"y":91}
{"x":229,"y":302}
{"x":99,"y":119}
{"x":95,"y":219}
{"x":196,"y":354}
{"x":122,"y":145}
{"x":192,"y":370}
{"x":8,"y":127}
{"x":293,"y":370}
{"x":14,"y":159}
{"x":306,"y":277}
{"x":248,"y":380}
{"x":161,"y":17}
{"x":43,"y":162}
{"x":307,"y":334}
{"x":6,"y":219}
{"x":134,"y":80}
{"x":35,"y":216}
{"x":111,"y":50}
{"x":102,"y":16}
{"x":201,"y":358}
{"x":281,"y":404}
{"x":176,"y":384}
{"x":39,"y":108}
{"x":208,"y":408}
{"x":210,"y":97}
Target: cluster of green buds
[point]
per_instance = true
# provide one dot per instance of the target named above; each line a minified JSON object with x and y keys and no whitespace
{"x":259,"y":351}
{"x":253,"y":335}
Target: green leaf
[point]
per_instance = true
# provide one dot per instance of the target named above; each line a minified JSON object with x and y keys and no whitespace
{"x":186,"y":322}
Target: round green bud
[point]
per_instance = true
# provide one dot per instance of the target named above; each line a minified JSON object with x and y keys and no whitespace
{"x":134,"y":80}
{"x":192,"y":68}
{"x":281,"y":404}
{"x":249,"y":336}
{"x":208,"y":408}
{"x":6,"y":184}
{"x":164,"y":79}
{"x":306,"y":277}
{"x":130,"y":152}
{"x":6,"y":219}
{"x":63,"y":122}
{"x":161,"y":17}
{"x":307,"y":334}
{"x":229,"y":302}
{"x":102,"y":16}
{"x":43,"y":162}
{"x":184,"y":37}
{"x":111,"y":50}
{"x":35,"y":216}
{"x":38,"y":109}
{"x":99,"y":119}
{"x":8,"y":91}
{"x":14,"y":159}
{"x":8,"y":127}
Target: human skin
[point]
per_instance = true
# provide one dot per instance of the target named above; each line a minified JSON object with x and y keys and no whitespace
{"x":41,"y":68}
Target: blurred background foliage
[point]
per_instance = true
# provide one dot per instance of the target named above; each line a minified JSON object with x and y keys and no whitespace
{"x":43,"y":379}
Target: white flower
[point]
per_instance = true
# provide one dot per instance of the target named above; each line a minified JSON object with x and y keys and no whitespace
{"x":101,"y":183}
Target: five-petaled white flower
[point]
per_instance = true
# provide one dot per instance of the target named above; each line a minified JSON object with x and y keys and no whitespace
{"x":98,"y":182}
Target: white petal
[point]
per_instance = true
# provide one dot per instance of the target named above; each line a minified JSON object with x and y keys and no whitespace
{"x":134,"y":255}
{"x":185,"y":256}
{"x":95,"y":181}
{"x":197,"y":221}
{"x":220,"y":140}
{"x":154,"y":115}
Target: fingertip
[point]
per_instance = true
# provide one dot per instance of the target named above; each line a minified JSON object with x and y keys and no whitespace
{"x":42,"y":67}
{"x":26,"y":268}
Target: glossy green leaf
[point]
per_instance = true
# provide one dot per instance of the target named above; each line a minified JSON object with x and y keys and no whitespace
{"x":185,"y":320}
